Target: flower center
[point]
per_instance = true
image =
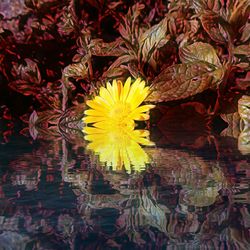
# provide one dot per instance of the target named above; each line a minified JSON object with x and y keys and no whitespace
{"x":119,"y":115}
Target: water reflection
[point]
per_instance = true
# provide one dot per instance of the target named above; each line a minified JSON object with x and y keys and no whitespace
{"x":120,"y":148}
{"x":244,"y":141}
{"x":55,"y":194}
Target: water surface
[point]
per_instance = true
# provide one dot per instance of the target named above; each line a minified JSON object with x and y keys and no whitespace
{"x":55,"y":194}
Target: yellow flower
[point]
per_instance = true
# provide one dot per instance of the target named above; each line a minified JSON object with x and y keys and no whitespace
{"x":118,"y":105}
{"x":113,"y":114}
{"x":119,"y":148}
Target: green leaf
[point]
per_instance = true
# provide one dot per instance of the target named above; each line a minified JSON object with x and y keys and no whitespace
{"x":184,"y":80}
{"x":199,"y":52}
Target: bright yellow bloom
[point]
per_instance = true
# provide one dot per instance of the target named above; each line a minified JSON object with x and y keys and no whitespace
{"x":113,"y":114}
{"x":118,"y":105}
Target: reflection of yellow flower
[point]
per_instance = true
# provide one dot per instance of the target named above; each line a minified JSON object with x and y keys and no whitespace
{"x":113,"y":114}
{"x":118,"y":105}
{"x":119,"y":148}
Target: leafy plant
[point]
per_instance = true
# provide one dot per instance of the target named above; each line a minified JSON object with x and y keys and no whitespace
{"x":61,"y":53}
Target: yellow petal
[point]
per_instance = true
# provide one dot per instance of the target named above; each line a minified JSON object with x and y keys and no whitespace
{"x":103,"y":124}
{"x":133,"y":90}
{"x":120,"y":89}
{"x":141,"y":117}
{"x":91,"y":130}
{"x":110,"y":89}
{"x":93,"y":112}
{"x":102,"y":102}
{"x":115,"y":91}
{"x":139,"y":97}
{"x":126,"y":89}
{"x":95,"y":105}
{"x":92,"y":119}
{"x":104,"y":93}
{"x":92,"y":137}
{"x":141,"y":109}
{"x":140,"y":133}
{"x":145,"y":142}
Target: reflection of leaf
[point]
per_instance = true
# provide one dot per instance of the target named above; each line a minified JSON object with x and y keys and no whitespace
{"x":44,"y":124}
{"x":233,"y":121}
{"x":32,"y":121}
{"x":240,"y":236}
{"x":48,"y":117}
{"x":244,"y":109}
{"x":184,"y":80}
{"x":187,"y":125}
{"x":201,"y":197}
{"x":153,"y":213}
{"x":244,"y":141}
{"x":186,"y":169}
{"x":13,"y":240}
{"x":72,"y":116}
{"x":199,"y":52}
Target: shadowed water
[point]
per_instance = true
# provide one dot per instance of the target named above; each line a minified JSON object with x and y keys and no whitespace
{"x":55,"y":194}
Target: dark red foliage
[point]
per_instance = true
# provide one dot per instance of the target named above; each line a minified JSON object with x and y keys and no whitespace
{"x":55,"y":54}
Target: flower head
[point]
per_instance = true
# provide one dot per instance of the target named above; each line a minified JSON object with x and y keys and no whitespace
{"x":113,"y":114}
{"x":118,"y":105}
